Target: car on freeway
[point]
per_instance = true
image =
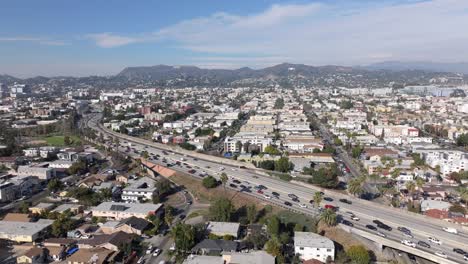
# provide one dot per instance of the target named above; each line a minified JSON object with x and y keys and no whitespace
{"x":328,"y":199}
{"x":346,"y":201}
{"x":275,"y":194}
{"x":192,"y":171}
{"x":441,"y":254}
{"x":292,"y":196}
{"x":232,"y":185}
{"x":450,"y":230}
{"x":384,"y":226}
{"x":434,"y":240}
{"x":311,"y":201}
{"x":408,"y":235}
{"x":263,"y":187}
{"x":296,"y":200}
{"x":460,"y":251}
{"x":465,"y":257}
{"x":371,"y":227}
{"x":242,"y":186}
{"x":381,"y":234}
{"x":377,"y":222}
{"x":287,"y":203}
{"x":182,"y":217}
{"x":408,"y":243}
{"x":423,"y":244}
{"x":355,"y":218}
{"x":329,"y":206}
{"x":348,"y":223}
{"x":156,"y":252}
{"x":259,"y":191}
{"x":404,"y":230}
{"x":302,"y":205}
{"x":236,"y":181}
{"x":266,"y":196}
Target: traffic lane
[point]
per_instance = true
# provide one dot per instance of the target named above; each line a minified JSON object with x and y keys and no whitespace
{"x":392,"y":213}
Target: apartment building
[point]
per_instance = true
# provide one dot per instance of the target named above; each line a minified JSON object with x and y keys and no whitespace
{"x":313,"y":246}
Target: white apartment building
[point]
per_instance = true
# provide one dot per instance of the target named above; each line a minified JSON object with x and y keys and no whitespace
{"x":39,"y":172}
{"x":140,"y":189}
{"x":393,"y":130}
{"x":262,"y":141}
{"x":448,"y":160}
{"x":312,"y":246}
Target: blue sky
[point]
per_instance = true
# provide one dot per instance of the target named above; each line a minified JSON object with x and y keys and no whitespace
{"x":97,"y":37}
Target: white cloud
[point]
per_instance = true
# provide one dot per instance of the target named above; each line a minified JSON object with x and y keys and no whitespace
{"x":108,"y":40}
{"x":42,"y":41}
{"x":321,"y":33}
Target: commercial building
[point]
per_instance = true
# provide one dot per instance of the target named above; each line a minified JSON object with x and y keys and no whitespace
{"x":24,"y":231}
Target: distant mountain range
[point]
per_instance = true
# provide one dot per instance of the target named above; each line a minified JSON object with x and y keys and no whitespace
{"x":285,"y":75}
{"x":461,"y":67}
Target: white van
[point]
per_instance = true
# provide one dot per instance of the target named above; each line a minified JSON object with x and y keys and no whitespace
{"x":450,"y":230}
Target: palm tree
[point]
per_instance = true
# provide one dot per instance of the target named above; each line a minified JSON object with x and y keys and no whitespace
{"x":419,"y":182}
{"x":328,"y":217}
{"x":410,"y":186}
{"x":355,"y":187}
{"x":224,"y":179}
{"x":317,"y":199}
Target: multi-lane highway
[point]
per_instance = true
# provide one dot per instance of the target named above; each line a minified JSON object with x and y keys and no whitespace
{"x":421,"y":227}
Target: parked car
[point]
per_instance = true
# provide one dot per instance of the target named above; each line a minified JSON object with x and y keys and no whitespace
{"x":156,"y":252}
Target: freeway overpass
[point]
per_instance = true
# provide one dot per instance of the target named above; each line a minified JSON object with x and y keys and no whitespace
{"x":422,"y":227}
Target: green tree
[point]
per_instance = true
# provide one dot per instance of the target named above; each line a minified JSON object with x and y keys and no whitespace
{"x":329,"y":217}
{"x":279,"y":103}
{"x":356,"y":152}
{"x":283,"y":165}
{"x":24,"y":207}
{"x":355,"y":187}
{"x":224,"y":179}
{"x":67,"y":141}
{"x":462,"y":140}
{"x":273,"y":226}
{"x":273,"y":246}
{"x":272,"y":150}
{"x":317,"y":199}
{"x":251,"y":213}
{"x":358,"y":255}
{"x":184,"y":237}
{"x":410,"y":186}
{"x":209,"y":182}
{"x":168,"y":215}
{"x":463,"y":193}
{"x":221,"y":210}
{"x":456,"y":208}
{"x":54,"y":185}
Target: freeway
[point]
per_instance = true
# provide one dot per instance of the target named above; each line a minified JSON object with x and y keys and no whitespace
{"x":421,"y":226}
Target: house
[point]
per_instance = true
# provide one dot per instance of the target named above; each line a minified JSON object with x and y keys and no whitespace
{"x":24,"y":231}
{"x":92,"y":255}
{"x":33,"y":255}
{"x":41,"y":207}
{"x":255,"y":257}
{"x":313,"y":246}
{"x":16,"y":217}
{"x":215,"y":247}
{"x":196,"y":259}
{"x":122,"y":179}
{"x":434,"y":204}
{"x":8,"y":191}
{"x":108,"y":241}
{"x":74,"y":208}
{"x":119,"y":211}
{"x":131,"y":225}
{"x":223,"y":229}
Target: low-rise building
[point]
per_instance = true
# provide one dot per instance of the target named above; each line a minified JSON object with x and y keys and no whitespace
{"x":223,"y":229}
{"x":24,"y":231}
{"x":119,"y":211}
{"x":313,"y":246}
